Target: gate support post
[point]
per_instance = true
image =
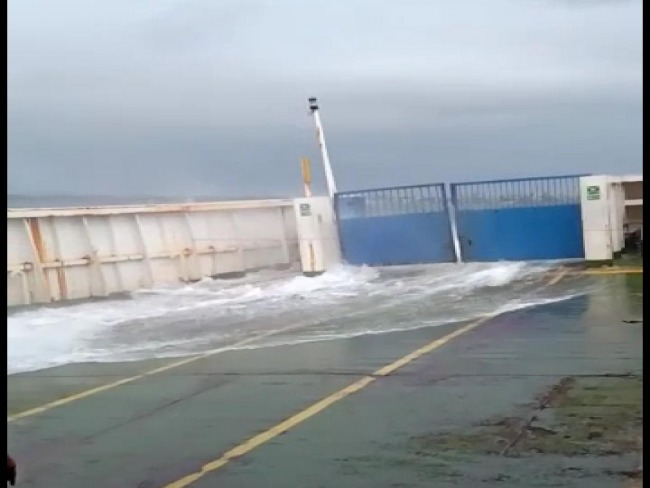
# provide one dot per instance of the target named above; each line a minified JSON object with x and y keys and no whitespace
{"x":318,"y":237}
{"x":451,"y":212}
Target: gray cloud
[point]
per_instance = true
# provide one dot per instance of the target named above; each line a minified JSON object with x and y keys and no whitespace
{"x":201,"y":97}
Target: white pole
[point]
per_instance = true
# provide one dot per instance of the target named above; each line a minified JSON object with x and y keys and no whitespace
{"x":329,"y":175}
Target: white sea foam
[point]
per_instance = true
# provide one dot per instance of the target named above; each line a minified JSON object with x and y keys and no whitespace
{"x":214,"y":314}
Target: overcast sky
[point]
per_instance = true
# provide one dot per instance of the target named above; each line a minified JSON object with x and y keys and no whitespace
{"x":196,"y":97}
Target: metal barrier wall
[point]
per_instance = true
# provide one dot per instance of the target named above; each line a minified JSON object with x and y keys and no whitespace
{"x":72,"y":253}
{"x":399,"y":225}
{"x":519,"y":219}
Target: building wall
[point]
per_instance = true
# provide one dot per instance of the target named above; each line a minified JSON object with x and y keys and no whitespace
{"x":72,"y":253}
{"x":610,"y":213}
{"x":633,"y":188}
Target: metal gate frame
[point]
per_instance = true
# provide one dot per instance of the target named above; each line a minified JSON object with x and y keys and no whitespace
{"x":395,"y":225}
{"x":519,"y":219}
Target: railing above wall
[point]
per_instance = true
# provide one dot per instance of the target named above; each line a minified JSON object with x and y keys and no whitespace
{"x":399,"y":200}
{"x":517,"y":192}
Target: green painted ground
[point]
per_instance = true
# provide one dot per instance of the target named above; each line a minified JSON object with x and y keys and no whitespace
{"x":473,"y":413}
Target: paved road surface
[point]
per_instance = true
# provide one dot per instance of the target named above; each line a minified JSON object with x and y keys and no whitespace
{"x":163,"y":429}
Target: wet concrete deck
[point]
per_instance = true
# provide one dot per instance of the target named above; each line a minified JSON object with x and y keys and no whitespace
{"x":418,"y":426}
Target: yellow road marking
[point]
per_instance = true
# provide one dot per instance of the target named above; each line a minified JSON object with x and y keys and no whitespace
{"x":613,"y":271}
{"x":274,"y":431}
{"x":176,"y":364}
{"x":604,"y":271}
{"x":284,"y":426}
{"x":247,"y":446}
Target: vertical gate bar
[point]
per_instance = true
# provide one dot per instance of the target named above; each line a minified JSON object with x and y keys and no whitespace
{"x":436,"y":203}
{"x":565,"y":193}
{"x":485,"y":190}
{"x":492,"y":191}
{"x":422,"y":197}
{"x":397,"y":199}
{"x":405,"y":201}
{"x":425,"y":198}
{"x":502,"y":186}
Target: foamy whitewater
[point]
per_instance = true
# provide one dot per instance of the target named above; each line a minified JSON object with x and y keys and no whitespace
{"x":268,"y":309}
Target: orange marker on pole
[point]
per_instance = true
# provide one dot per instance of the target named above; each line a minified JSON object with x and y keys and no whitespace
{"x":306,"y":175}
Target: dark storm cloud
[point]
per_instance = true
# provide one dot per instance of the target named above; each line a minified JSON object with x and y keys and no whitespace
{"x":200,"y":97}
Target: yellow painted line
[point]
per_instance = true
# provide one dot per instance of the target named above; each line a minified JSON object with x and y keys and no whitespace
{"x":274,"y":431}
{"x":613,"y":271}
{"x":176,"y":364}
{"x":284,"y":426}
{"x":604,"y":271}
{"x":256,"y":441}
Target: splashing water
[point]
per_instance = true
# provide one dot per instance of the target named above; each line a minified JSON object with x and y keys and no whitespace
{"x":212,"y":314}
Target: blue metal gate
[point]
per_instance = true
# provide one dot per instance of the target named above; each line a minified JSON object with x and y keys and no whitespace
{"x":391,"y":226}
{"x":522,"y":219}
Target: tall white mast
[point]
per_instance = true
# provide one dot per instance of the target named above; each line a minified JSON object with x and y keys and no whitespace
{"x":329,"y":175}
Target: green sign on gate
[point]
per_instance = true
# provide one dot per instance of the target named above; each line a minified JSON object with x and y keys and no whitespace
{"x":593,"y":192}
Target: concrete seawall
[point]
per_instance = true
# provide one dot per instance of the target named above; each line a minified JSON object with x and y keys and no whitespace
{"x":75,"y":253}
